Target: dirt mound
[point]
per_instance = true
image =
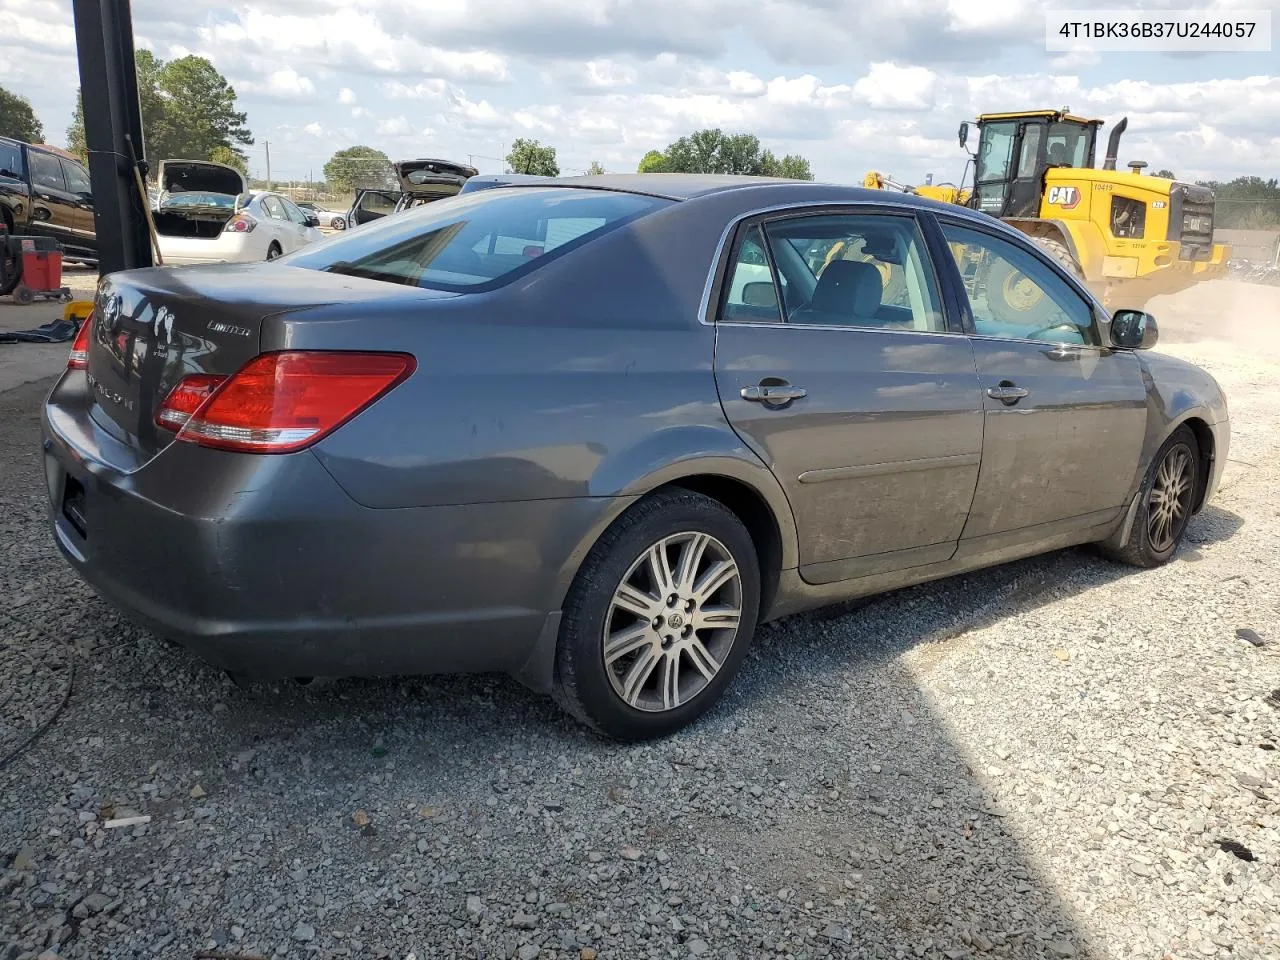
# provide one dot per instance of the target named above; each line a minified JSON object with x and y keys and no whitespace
{"x":1245,"y":314}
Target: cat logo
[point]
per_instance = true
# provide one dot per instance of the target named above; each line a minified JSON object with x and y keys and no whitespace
{"x":1065,"y":197}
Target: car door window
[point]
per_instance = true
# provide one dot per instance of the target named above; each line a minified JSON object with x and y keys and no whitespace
{"x":10,"y":161}
{"x":274,"y":208}
{"x":866,"y":270}
{"x":294,"y":213}
{"x":1014,"y":293}
{"x":46,"y":171}
{"x":751,"y":295}
{"x":77,"y":179}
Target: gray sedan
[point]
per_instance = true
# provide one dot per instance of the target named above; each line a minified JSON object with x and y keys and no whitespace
{"x":593,"y":431}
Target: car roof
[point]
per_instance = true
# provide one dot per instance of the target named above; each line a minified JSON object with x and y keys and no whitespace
{"x":772,"y":191}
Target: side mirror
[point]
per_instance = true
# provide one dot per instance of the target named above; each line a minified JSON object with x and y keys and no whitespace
{"x":1134,"y":330}
{"x":964,"y":134}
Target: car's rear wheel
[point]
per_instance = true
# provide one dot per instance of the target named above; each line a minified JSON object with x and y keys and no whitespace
{"x":659,"y":617}
{"x":1167,"y":498}
{"x":338,"y":223}
{"x":273,"y":251}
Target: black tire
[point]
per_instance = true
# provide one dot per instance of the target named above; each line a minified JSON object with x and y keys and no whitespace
{"x":274,"y":250}
{"x":582,"y":679}
{"x":1060,"y":252}
{"x":1142,"y":550}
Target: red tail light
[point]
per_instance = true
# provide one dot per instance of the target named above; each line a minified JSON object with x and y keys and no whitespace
{"x":79,"y":359}
{"x":185,"y":399}
{"x":240,"y":223}
{"x":282,"y":402}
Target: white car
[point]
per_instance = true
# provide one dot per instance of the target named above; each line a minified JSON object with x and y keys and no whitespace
{"x":207,"y":214}
{"x":335,"y":219}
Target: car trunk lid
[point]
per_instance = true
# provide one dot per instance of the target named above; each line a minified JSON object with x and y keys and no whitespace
{"x":201,"y":176}
{"x":153,"y":327}
{"x":432,"y":178}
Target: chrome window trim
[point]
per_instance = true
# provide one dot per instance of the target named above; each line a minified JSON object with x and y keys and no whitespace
{"x":704,"y":306}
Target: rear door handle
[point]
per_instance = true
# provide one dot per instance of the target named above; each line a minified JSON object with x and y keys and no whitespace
{"x":1007,"y":393}
{"x":773,"y":393}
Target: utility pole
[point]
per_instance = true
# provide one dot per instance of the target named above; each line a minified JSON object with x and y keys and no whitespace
{"x":267,"y":144}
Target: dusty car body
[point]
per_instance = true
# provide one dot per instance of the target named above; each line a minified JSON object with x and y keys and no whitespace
{"x":592,"y":432}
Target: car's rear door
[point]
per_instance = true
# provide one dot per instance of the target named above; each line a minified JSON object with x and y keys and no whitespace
{"x":78,"y":186}
{"x":876,"y":430}
{"x":1065,"y":414}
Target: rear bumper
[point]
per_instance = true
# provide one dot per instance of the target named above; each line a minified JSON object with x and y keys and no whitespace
{"x":265,"y":567}
{"x":224,"y":248}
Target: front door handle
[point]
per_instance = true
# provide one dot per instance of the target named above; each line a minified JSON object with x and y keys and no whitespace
{"x":773,"y":393}
{"x":1007,"y":393}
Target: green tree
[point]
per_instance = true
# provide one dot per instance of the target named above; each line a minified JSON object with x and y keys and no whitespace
{"x":226,"y":155}
{"x":18,"y":120}
{"x":358,"y":167}
{"x":595,"y":169}
{"x":199,"y":110}
{"x":530,"y":156}
{"x":1167,"y":174}
{"x":714,"y":151}
{"x":188,"y":111}
{"x":75,"y":133}
{"x":655,"y":161}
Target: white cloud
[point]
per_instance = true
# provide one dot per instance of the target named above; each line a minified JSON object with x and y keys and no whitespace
{"x":314,"y":129}
{"x":888,"y":86}
{"x":347,"y":96}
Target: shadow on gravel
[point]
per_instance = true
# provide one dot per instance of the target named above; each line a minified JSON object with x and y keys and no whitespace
{"x":821,"y":810}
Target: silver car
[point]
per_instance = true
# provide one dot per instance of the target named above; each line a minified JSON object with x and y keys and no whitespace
{"x":593,"y":431}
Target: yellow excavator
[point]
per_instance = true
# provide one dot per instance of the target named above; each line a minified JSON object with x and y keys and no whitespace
{"x":1128,"y":236}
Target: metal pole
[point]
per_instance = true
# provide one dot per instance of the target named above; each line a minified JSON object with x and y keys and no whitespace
{"x":113,"y":132}
{"x":267,"y":144}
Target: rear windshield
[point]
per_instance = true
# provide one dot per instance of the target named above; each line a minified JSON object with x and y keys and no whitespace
{"x":475,"y":239}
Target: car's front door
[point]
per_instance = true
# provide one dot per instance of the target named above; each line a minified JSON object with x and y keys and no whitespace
{"x":373,"y":205}
{"x":53,"y":208}
{"x":82,"y":224}
{"x":1065,"y":414}
{"x":298,"y":220}
{"x":854,"y":391}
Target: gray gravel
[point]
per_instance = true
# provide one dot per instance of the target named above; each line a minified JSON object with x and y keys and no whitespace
{"x":1043,"y":760}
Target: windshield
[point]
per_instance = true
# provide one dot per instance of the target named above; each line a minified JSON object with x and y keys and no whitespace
{"x":475,"y":239}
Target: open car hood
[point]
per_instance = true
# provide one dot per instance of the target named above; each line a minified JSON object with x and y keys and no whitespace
{"x":432,"y":178}
{"x":202,"y":176}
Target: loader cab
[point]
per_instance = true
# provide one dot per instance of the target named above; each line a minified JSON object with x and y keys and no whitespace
{"x":1014,"y":151}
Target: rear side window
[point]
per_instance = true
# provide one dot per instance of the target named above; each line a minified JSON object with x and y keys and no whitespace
{"x":10,"y":161}
{"x":477,"y":239}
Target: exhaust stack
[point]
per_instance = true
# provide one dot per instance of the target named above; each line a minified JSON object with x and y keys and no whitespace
{"x":1113,"y":145}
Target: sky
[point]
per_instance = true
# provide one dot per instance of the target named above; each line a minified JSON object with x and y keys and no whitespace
{"x":851,"y":86}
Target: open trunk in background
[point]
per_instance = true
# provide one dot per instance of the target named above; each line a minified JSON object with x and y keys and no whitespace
{"x":197,"y":197}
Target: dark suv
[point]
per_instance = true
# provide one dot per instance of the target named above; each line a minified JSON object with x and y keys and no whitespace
{"x":45,"y":192}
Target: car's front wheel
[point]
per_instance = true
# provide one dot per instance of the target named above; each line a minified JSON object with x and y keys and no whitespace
{"x":659,"y":617}
{"x":1167,"y":498}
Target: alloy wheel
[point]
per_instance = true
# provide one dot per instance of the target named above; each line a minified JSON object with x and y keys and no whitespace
{"x":1169,"y":504}
{"x":672,"y":621}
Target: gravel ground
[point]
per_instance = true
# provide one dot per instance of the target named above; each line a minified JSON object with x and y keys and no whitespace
{"x":1057,"y":758}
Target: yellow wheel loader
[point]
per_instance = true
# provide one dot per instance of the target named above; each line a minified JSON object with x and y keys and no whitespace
{"x":1128,"y":236}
